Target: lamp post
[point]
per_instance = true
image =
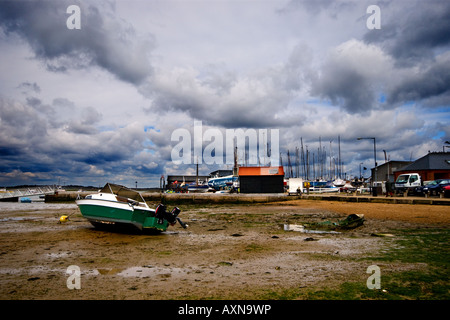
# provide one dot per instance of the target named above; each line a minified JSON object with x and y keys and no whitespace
{"x":374,"y":190}
{"x":360,"y":173}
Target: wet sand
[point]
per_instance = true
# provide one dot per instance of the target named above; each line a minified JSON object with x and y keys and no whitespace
{"x":228,"y":251}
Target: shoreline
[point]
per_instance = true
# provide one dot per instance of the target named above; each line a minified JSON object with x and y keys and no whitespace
{"x":240,"y":198}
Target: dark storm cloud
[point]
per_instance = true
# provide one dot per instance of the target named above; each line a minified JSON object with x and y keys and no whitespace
{"x":41,"y":141}
{"x":414,"y":30}
{"x":19,"y":123}
{"x":21,"y":132}
{"x":100,"y":157}
{"x":103,"y":39}
{"x":416,"y":34}
{"x":400,"y":61}
{"x":431,"y":86}
{"x":352,"y":76}
{"x":352,"y":91}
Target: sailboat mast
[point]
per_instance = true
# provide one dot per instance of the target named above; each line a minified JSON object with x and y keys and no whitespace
{"x":307,"y":163}
{"x":196,"y":176}
{"x":319,"y":158}
{"x":303,"y":160}
{"x":331,"y":175}
{"x":339,"y":157}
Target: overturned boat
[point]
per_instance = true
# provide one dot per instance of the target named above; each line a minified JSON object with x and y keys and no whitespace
{"x":118,"y":205}
{"x":352,"y":221}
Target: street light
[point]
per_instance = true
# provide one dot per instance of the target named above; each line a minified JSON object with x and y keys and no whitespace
{"x":360,"y":173}
{"x":374,"y":191}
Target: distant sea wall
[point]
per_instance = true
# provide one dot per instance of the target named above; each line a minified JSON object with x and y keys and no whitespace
{"x":214,"y":198}
{"x":68,"y":196}
{"x":174,"y":198}
{"x":65,"y":196}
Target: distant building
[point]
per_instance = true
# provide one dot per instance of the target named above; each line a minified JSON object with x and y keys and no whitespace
{"x":385,"y":172}
{"x":435,"y":165}
{"x":261,"y":179}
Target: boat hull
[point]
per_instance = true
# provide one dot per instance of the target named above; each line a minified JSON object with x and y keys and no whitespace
{"x":198,"y":189}
{"x":101,"y":212}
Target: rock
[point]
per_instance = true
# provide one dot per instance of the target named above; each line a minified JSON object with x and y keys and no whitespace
{"x":33,"y":278}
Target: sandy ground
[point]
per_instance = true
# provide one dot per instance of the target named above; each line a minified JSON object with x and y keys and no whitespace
{"x":228,"y":251}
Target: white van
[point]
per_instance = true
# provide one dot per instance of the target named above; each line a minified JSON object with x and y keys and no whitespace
{"x":408,"y":181}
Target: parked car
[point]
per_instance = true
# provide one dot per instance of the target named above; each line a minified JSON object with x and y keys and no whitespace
{"x":444,"y":183}
{"x":436,"y":187}
{"x":447,"y":191}
{"x":419,"y":190}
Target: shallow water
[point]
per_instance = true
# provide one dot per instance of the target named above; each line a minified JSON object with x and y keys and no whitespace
{"x":34,"y":206}
{"x":18,"y":218}
{"x":300,"y":228}
{"x":34,"y":216}
{"x":150,"y":271}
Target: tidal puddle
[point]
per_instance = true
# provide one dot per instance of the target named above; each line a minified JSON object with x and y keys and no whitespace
{"x":152,"y":272}
{"x":300,"y":228}
{"x":111,"y":271}
{"x":143,"y":272}
{"x":19,"y":219}
{"x":57,"y":255}
{"x":33,"y":270}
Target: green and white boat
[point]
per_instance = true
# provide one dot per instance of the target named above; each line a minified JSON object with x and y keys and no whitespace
{"x":118,"y":205}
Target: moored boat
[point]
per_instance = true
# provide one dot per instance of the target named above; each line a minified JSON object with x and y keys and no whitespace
{"x":199,"y":188}
{"x":118,"y":205}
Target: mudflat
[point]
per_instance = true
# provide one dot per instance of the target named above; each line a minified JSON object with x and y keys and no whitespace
{"x":227,"y":252}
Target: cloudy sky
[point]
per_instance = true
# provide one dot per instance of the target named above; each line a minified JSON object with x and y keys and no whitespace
{"x":100,"y":103}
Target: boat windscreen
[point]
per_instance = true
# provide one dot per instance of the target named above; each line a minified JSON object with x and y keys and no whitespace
{"x":122,"y":191}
